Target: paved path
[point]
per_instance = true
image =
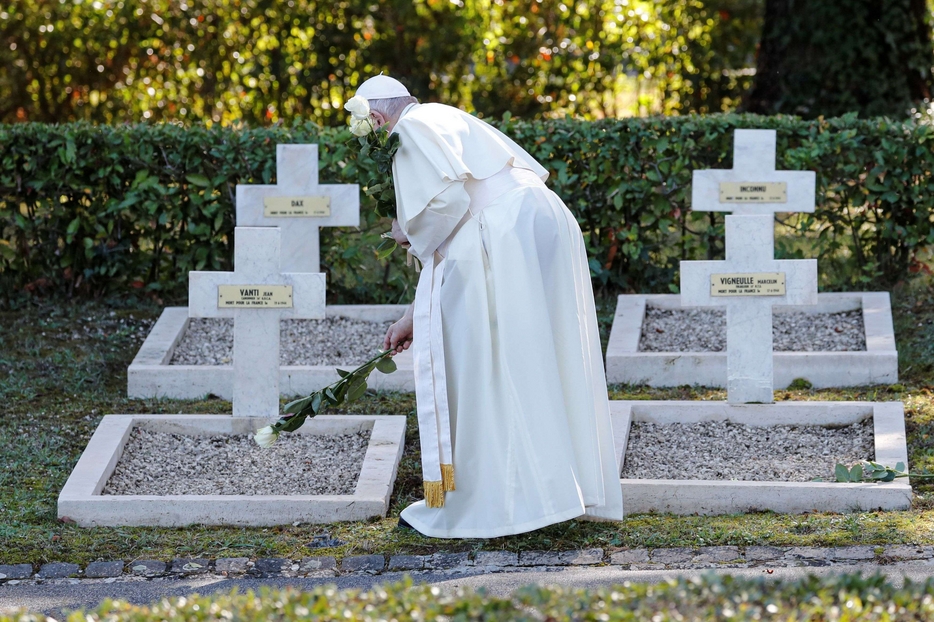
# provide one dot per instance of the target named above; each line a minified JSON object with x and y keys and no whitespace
{"x":54,"y":597}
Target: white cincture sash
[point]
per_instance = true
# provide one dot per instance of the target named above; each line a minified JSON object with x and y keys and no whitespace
{"x":431,"y":394}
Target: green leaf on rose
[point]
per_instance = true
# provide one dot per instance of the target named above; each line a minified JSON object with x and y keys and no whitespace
{"x":296,"y":406}
{"x":386,"y":365}
{"x":856,"y":473}
{"x":340,"y":391}
{"x":842,"y":473}
{"x":357,"y":389}
{"x":385,"y":249}
{"x":351,"y":386}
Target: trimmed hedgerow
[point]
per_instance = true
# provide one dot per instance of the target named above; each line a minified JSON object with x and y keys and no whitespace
{"x":846,"y":597}
{"x":100,"y":210}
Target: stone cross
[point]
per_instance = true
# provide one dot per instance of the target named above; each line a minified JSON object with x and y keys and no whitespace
{"x":744,"y":285}
{"x":299,"y":206}
{"x":751,"y":280}
{"x":753,"y":186}
{"x":256,"y":295}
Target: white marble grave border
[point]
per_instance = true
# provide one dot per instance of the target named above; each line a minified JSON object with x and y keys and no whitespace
{"x":709,"y":497}
{"x":878,"y":364}
{"x":151,"y":376}
{"x":81,"y":499}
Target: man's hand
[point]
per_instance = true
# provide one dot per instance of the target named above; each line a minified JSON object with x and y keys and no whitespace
{"x":399,"y":235}
{"x":399,"y":335}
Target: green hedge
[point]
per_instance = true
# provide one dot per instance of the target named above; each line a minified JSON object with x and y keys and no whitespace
{"x":846,"y":597}
{"x":107,"y":211}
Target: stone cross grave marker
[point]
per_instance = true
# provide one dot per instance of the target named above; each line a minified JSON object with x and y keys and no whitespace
{"x":750,"y":281}
{"x":256,"y":295}
{"x":299,"y":206}
{"x":753,"y":186}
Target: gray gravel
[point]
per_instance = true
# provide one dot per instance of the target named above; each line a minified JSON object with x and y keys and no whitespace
{"x":720,"y":450}
{"x":332,"y":341}
{"x":704,"y":330}
{"x":159,"y":463}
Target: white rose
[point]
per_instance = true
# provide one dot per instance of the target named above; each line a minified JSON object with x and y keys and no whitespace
{"x":265,"y":437}
{"x":361,"y":127}
{"x":358,"y":106}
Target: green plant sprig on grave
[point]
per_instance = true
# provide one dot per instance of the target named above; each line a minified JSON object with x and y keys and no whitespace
{"x":351,"y":386}
{"x":869,"y":471}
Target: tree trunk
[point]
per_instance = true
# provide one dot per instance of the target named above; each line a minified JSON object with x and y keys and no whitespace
{"x":831,"y":57}
{"x":766,"y":88}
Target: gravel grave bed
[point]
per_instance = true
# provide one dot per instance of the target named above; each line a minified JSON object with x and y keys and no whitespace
{"x":332,"y":341}
{"x":704,"y":330}
{"x":721,"y":450}
{"x":160,"y":463}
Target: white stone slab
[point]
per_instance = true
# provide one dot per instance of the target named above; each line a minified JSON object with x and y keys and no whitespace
{"x":709,"y":497}
{"x":749,"y":249}
{"x":297,"y":175}
{"x":81,"y":499}
{"x":878,"y":364}
{"x":151,"y":376}
{"x":256,"y":330}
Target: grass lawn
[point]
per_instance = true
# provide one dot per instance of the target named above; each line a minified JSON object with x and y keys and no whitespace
{"x":63,"y":366}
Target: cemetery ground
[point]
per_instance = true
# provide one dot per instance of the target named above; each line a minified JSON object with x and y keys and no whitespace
{"x":63,"y":366}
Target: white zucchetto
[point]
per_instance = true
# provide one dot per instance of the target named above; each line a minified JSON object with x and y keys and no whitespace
{"x":382,"y":87}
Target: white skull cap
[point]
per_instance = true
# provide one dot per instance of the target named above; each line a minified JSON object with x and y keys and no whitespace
{"x":382,"y":87}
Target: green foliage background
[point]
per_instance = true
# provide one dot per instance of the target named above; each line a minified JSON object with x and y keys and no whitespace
{"x":261,"y":61}
{"x":819,"y":58}
{"x":100,"y":210}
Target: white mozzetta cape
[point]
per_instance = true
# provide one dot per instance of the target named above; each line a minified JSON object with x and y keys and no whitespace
{"x":442,"y":144}
{"x":510,"y":388}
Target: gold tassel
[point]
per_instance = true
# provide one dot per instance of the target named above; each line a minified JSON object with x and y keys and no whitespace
{"x":434,"y":494}
{"x":447,"y":477}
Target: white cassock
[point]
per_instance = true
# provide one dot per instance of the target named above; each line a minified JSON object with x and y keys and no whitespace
{"x":511,"y":392}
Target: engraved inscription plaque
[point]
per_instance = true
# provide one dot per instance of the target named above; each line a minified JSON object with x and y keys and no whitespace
{"x":748,"y":284}
{"x":753,"y":192}
{"x":254,"y":296}
{"x":297,"y":207}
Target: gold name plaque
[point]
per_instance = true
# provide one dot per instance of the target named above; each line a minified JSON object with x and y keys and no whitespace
{"x":297,"y":207}
{"x":753,"y":192}
{"x":254,"y":296}
{"x":748,"y":284}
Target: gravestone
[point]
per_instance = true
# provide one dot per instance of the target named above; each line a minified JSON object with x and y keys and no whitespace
{"x":299,"y":206}
{"x":751,"y":280}
{"x":748,"y":283}
{"x":752,"y":190}
{"x":257,"y":294}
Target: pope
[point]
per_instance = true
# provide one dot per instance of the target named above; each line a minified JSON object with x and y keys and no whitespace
{"x":511,"y":395}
